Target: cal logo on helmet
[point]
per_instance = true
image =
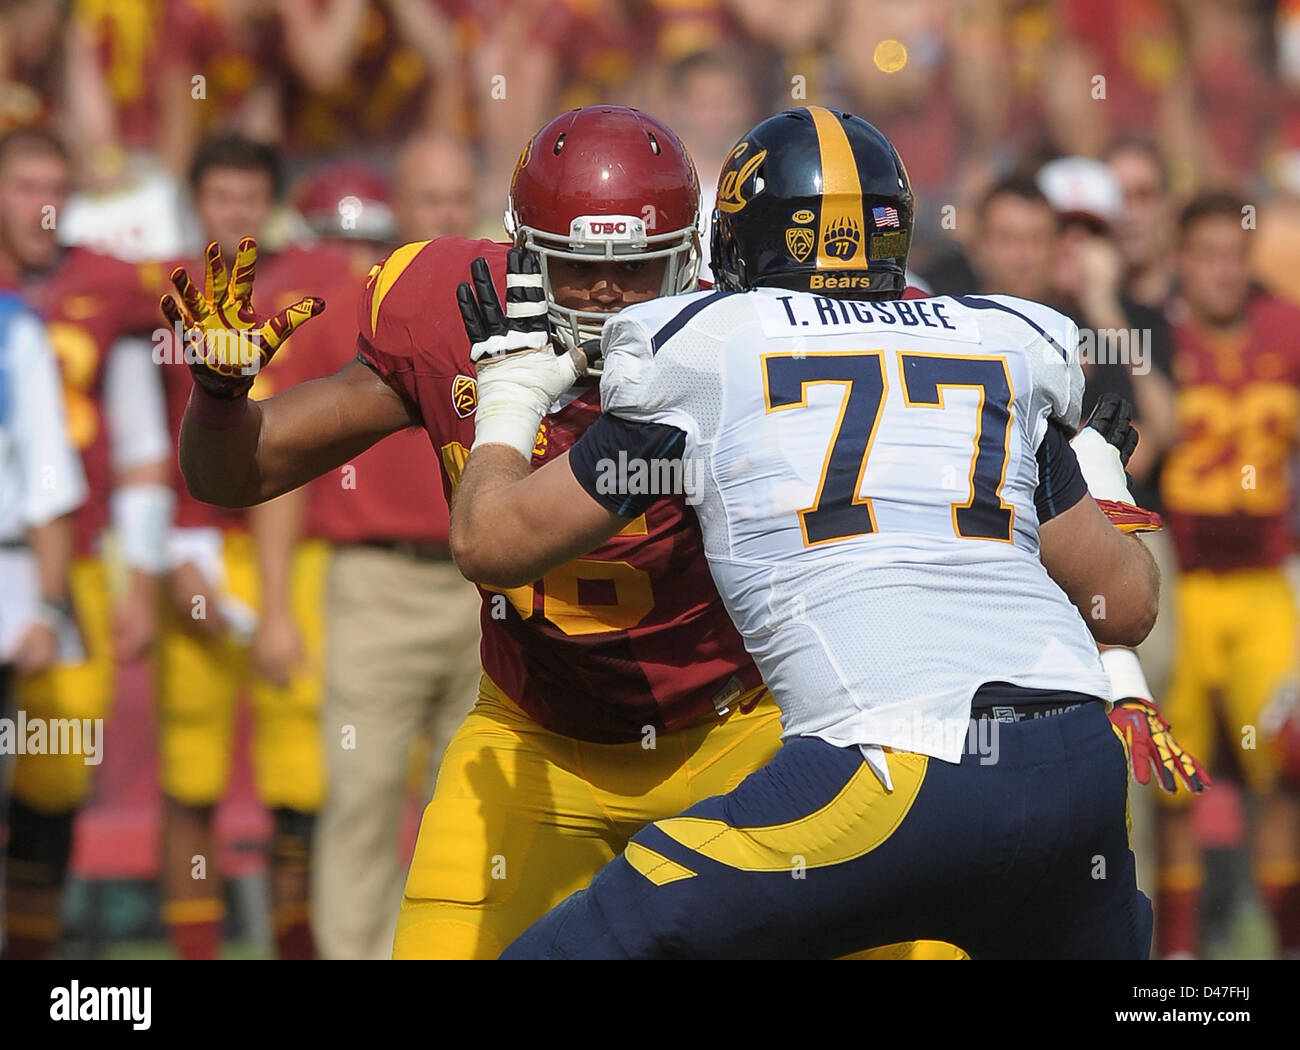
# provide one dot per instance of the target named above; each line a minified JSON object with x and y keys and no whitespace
{"x":809,"y":215}
{"x":736,"y":185}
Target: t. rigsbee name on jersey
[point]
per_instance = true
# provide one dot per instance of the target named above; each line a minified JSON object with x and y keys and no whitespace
{"x":626,"y":475}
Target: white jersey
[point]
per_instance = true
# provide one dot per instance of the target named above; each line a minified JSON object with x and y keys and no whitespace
{"x":865,"y":486}
{"x":41,"y":475}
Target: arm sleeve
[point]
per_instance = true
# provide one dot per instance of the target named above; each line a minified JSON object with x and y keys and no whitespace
{"x":54,"y":483}
{"x":134,"y":406}
{"x":615,"y":459}
{"x":1060,"y":481}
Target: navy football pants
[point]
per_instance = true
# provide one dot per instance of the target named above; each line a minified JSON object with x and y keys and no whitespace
{"x":810,"y":857}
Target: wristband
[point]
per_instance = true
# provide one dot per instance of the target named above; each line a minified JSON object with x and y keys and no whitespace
{"x":1101,"y":466}
{"x":1127,"y":679}
{"x":216,"y":413}
{"x":142,"y":518}
{"x":514,"y":393}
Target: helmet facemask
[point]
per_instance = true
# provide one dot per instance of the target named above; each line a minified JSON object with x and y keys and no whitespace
{"x":593,"y":238}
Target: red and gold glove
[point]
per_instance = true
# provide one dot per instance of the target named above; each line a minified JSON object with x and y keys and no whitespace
{"x":226,"y":343}
{"x":1150,"y":742}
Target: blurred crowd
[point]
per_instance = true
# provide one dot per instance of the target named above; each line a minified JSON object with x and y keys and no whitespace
{"x":967,"y":89}
{"x":1135,"y":163}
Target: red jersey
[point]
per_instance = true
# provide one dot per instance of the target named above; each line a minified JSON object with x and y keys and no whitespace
{"x":393,"y":490}
{"x":381,"y":98}
{"x":89,"y":301}
{"x":1226,"y":483}
{"x":282,"y":279}
{"x":126,"y":39}
{"x":632,"y":635}
{"x":233,"y":54}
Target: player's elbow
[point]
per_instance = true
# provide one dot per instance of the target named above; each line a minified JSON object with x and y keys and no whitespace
{"x":208,"y":487}
{"x":1125,"y":616}
{"x":487,"y":564}
{"x":1128,"y":625}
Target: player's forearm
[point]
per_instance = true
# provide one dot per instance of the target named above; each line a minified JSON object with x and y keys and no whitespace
{"x":219,"y":457}
{"x":1108,"y":575}
{"x":1120,"y":598}
{"x":511,"y":525}
{"x":485,"y":528}
{"x":277,"y":526}
{"x":51,"y":545}
{"x":237,"y":456}
{"x":1132,"y":597}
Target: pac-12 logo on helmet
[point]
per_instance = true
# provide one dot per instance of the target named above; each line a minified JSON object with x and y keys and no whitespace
{"x":606,"y":182}
{"x":815,"y":200}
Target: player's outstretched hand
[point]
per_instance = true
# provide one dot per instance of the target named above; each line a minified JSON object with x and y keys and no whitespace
{"x":1151,"y":744}
{"x":226,"y":342}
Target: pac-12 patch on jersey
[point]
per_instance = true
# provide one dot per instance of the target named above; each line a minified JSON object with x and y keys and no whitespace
{"x":464,"y":395}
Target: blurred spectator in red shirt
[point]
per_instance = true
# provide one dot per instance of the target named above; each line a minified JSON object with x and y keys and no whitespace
{"x":402,"y":659}
{"x":32,"y":83}
{"x":362,"y":72}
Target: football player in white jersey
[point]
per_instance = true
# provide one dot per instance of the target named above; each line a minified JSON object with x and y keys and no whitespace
{"x":898,"y":524}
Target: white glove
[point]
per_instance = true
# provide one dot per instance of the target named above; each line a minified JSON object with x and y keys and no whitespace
{"x":519,"y":375}
{"x":515,"y":391}
{"x":1101,"y":466}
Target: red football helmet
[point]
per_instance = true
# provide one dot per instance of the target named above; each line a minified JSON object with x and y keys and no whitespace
{"x":348,"y":201}
{"x":606,"y":182}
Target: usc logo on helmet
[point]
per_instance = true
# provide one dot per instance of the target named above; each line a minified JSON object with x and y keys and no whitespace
{"x":731,"y":187}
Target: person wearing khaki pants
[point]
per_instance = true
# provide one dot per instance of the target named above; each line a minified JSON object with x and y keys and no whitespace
{"x":402,"y":660}
{"x":401,"y":651}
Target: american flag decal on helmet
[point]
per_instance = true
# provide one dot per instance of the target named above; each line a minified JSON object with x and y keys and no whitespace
{"x":885,"y":216}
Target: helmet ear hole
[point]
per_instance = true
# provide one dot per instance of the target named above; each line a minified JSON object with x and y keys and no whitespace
{"x":559,"y":144}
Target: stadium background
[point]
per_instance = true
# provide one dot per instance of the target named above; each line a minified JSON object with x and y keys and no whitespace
{"x":969,"y":90}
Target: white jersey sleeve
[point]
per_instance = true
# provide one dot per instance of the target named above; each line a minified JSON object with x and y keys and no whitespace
{"x":45,"y":471}
{"x":1051,"y":346}
{"x":632,"y":384}
{"x":135,"y":406}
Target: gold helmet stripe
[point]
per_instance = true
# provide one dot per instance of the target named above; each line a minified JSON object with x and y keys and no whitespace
{"x":842,"y":237}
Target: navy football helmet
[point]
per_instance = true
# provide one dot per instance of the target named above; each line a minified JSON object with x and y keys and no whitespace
{"x":814,"y":200}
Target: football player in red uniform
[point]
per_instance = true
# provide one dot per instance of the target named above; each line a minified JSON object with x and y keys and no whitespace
{"x":230,"y":571}
{"x":90,"y":302}
{"x":615,"y":689}
{"x":1227,"y":489}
